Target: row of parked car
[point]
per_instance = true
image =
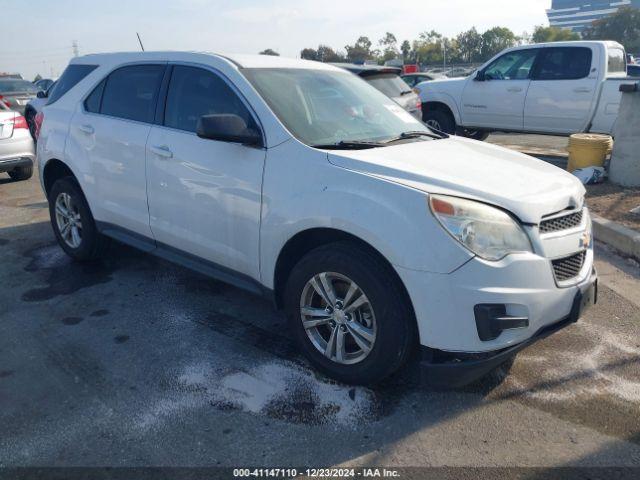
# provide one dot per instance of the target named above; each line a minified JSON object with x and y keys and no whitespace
{"x":558,"y":88}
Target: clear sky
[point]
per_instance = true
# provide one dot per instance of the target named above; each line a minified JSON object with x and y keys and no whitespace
{"x":38,"y":34}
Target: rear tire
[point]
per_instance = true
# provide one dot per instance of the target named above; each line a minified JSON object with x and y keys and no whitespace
{"x":440,"y":120}
{"x":385,"y":318}
{"x":21,"y":173}
{"x":86,"y":243}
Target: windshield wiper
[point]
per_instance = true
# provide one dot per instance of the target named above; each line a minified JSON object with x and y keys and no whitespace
{"x":417,"y":134}
{"x":351,"y":145}
{"x":405,"y":92}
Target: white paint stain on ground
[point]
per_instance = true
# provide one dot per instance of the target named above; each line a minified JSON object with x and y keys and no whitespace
{"x":597,"y":371}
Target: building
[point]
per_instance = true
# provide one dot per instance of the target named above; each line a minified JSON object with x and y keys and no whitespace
{"x":579,"y":14}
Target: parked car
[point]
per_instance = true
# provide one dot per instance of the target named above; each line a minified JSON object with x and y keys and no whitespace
{"x":388,"y":81}
{"x":633,"y":70}
{"x":296,"y":180}
{"x":34,"y":106}
{"x":44,"y":84}
{"x":412,"y":79}
{"x":17,"y":152}
{"x":16,"y":93}
{"x":556,"y":88}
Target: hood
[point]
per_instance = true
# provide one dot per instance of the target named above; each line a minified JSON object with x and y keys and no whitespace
{"x":523,"y":185}
{"x":450,"y":86}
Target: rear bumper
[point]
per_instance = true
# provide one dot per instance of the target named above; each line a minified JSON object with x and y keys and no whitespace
{"x":17,"y":151}
{"x":458,"y":369}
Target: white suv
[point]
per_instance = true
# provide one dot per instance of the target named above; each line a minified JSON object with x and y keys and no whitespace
{"x":300,"y":181}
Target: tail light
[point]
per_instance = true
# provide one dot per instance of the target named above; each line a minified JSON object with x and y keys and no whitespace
{"x":6,"y":101}
{"x":20,"y":122}
{"x":419,"y":105}
{"x":39,"y":118}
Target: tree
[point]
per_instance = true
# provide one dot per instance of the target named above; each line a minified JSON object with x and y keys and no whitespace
{"x":309,"y":54}
{"x":542,"y":34}
{"x":360,"y":51}
{"x":405,"y":48}
{"x":470,"y":45}
{"x":389,"y":45}
{"x":271,"y":52}
{"x":495,"y":40}
{"x":623,"y":27}
{"x":328,"y":54}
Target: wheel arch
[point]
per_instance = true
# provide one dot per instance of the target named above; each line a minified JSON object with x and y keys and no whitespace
{"x":54,"y":170}
{"x":307,"y":240}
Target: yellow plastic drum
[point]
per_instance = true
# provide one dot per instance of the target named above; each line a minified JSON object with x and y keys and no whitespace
{"x":588,"y":150}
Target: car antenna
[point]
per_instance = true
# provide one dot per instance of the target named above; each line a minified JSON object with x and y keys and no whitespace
{"x":140,"y":41}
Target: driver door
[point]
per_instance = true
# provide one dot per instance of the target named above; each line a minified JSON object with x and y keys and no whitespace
{"x":495,"y":98}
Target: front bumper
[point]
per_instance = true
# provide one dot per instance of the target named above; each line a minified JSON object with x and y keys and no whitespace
{"x":451,"y":370}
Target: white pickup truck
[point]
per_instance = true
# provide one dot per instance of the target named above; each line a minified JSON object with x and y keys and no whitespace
{"x":550,"y":88}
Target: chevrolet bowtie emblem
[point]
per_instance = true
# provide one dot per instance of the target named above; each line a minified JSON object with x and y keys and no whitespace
{"x":585,"y":241}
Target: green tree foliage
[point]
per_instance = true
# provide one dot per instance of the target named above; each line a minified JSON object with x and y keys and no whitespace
{"x":542,"y":34}
{"x":361,"y":50}
{"x":470,"y":45}
{"x":495,"y":40}
{"x":271,"y":52}
{"x":322,"y":54}
{"x":405,"y":48}
{"x":623,"y":27}
{"x":389,"y":47}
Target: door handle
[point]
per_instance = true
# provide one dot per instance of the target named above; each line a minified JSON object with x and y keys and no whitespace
{"x":162,"y":151}
{"x":88,"y":129}
{"x":514,"y":89}
{"x":582,"y":90}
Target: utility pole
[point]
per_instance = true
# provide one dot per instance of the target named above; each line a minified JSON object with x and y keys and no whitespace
{"x":444,"y":55}
{"x":74,"y":47}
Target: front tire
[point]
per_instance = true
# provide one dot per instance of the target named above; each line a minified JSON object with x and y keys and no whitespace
{"x":21,"y":173}
{"x":480,"y":135}
{"x":73,"y":223}
{"x":349,"y":314}
{"x":440,"y":120}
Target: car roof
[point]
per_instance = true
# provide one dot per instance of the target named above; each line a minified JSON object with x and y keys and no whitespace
{"x":238,"y":60}
{"x":365,"y":69}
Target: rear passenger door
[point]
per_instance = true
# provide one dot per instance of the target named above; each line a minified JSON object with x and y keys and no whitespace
{"x":563,"y":90}
{"x":111,"y":130}
{"x":205,"y":195}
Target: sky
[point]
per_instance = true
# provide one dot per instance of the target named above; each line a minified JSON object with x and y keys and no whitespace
{"x":41,"y":42}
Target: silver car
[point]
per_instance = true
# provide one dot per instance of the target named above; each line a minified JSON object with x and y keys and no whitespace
{"x":16,"y":93}
{"x":17,"y":151}
{"x":388,"y":81}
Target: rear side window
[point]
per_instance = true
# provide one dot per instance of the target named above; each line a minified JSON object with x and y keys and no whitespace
{"x":93,"y":101}
{"x":390,"y":84}
{"x":194,"y":92}
{"x":131,"y":92}
{"x":69,"y":79}
{"x":617,"y":62}
{"x":565,"y":63}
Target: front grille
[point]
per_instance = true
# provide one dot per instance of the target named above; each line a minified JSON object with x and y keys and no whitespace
{"x":568,"y":267}
{"x":561,"y":223}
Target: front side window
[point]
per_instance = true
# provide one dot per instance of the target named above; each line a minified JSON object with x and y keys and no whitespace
{"x":616,"y":61}
{"x":71,"y":76}
{"x":194,"y":92}
{"x":321,"y":107}
{"x":512,"y":66}
{"x":565,"y":63}
{"x":131,"y":92}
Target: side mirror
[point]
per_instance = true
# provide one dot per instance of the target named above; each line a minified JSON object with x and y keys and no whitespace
{"x":480,"y":77}
{"x":227,"y":128}
{"x":41,"y":94}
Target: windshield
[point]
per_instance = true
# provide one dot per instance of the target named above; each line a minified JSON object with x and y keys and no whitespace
{"x":389,"y":84}
{"x":322,"y":107}
{"x":17,"y":86}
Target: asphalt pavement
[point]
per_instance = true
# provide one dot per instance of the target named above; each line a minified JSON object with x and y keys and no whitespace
{"x":133,"y":361}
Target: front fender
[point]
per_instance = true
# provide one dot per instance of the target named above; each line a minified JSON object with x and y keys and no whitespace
{"x":300,"y":195}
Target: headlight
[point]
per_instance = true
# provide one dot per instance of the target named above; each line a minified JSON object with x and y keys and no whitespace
{"x":487,"y":231}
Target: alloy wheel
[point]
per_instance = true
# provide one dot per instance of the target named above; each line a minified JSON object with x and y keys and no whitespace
{"x":68,"y":220}
{"x":338,"y":318}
